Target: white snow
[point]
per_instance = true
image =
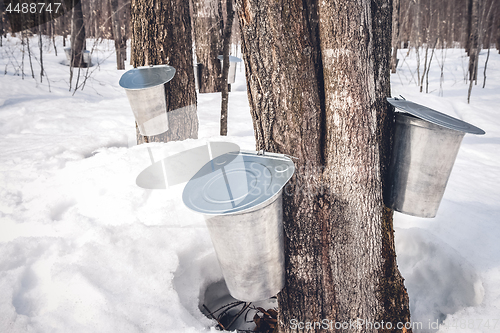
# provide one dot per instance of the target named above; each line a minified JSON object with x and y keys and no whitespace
{"x":84,"y":249}
{"x":452,"y":263}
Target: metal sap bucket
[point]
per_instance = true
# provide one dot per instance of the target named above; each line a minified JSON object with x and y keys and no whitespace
{"x":146,"y":94}
{"x":240,"y":197}
{"x":231,"y":77}
{"x":197,"y":72}
{"x":87,"y":58}
{"x":426,"y":144}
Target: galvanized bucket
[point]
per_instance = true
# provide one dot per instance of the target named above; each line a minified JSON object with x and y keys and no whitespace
{"x":231,"y":77}
{"x":197,"y":73}
{"x":241,"y":200}
{"x":87,"y":58}
{"x":146,"y":94}
{"x":426,"y":144}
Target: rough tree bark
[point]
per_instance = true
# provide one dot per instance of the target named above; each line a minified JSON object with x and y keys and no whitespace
{"x":77,"y":35}
{"x":161,"y":34}
{"x":208,"y":26}
{"x":317,"y":78}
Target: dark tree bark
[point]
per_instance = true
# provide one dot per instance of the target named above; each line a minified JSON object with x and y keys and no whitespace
{"x":77,"y":35}
{"x":120,"y":40}
{"x":228,"y":27}
{"x":317,"y":78}
{"x":208,"y":29}
{"x":161,"y":34}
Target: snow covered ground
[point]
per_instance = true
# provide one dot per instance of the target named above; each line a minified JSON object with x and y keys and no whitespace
{"x":84,"y":249}
{"x":452,"y":263}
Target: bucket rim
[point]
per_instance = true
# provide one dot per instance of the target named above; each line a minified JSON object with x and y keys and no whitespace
{"x":410,"y":120}
{"x":247,"y":181}
{"x":434,"y":117}
{"x":145,"y":77}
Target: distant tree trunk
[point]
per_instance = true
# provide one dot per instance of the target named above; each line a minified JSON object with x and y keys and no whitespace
{"x":418,"y":24}
{"x":317,"y":92}
{"x":475,"y":47}
{"x":496,"y":25}
{"x":427,"y":38}
{"x":473,"y":39}
{"x":208,"y":29}
{"x":451,"y":11}
{"x":405,"y":23}
{"x":1,"y":23}
{"x":395,"y":34}
{"x":120,"y":40}
{"x":53,"y":35}
{"x":228,"y":27}
{"x":489,"y":28}
{"x":471,"y":11}
{"x":40,"y":59}
{"x":429,"y":66}
{"x":418,"y":36}
{"x":161,"y":34}
{"x":77,"y":35}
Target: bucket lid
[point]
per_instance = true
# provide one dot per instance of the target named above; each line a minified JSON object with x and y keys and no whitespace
{"x":231,"y":58}
{"x":147,"y":77}
{"x":434,"y":116}
{"x":235,"y":182}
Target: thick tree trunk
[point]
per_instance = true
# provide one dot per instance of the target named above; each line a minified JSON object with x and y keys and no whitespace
{"x":208,"y":26}
{"x":77,"y":36}
{"x":161,"y":34}
{"x":317,"y":92}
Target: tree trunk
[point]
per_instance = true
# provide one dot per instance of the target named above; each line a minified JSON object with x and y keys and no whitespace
{"x":228,"y":27}
{"x":317,"y":92}
{"x":395,"y":34}
{"x":161,"y":34}
{"x":77,"y":35}
{"x":120,"y":41}
{"x":489,"y":28}
{"x":418,"y":24}
{"x":473,"y":39}
{"x":497,"y":28}
{"x":1,"y":23}
{"x":208,"y":26}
